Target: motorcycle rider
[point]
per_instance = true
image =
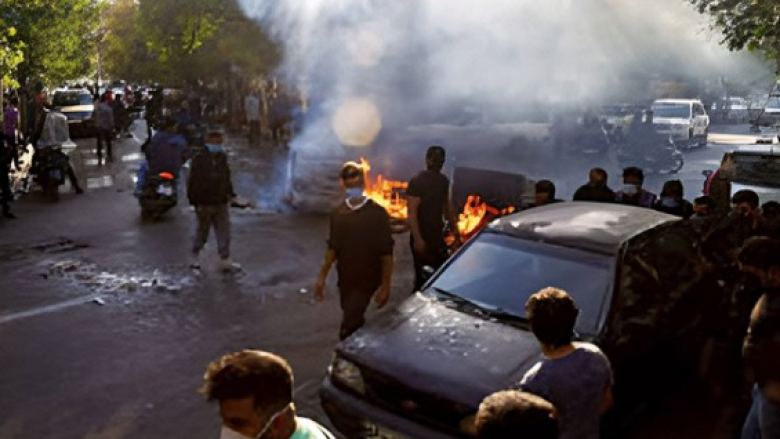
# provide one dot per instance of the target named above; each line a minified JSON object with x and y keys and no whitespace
{"x":166,"y":152}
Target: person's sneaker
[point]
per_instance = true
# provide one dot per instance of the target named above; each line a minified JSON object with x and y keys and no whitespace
{"x":79,"y":191}
{"x":195,"y":262}
{"x":228,"y":266}
{"x":9,"y":215}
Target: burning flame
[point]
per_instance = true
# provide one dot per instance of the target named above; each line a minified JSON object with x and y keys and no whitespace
{"x":390,"y":195}
{"x":476,"y":213}
{"x":386,"y":193}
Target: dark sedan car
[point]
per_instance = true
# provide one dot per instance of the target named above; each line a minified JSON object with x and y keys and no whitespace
{"x":422,"y":370}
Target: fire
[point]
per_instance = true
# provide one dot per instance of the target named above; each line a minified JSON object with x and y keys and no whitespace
{"x":386,"y":193}
{"x":476,"y":213}
{"x":390,"y":194}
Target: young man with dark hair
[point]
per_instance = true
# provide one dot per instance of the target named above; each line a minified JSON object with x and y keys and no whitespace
{"x":632,"y":192}
{"x":254,"y":390}
{"x":361,"y":245}
{"x":760,"y":257}
{"x":545,"y":193}
{"x":596,"y":189}
{"x":513,"y":414}
{"x":673,"y":200}
{"x":575,"y":377}
{"x":210,"y":191}
{"x":429,"y":204}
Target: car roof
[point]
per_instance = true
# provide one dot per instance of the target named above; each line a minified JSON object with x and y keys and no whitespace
{"x":677,"y":101}
{"x":595,"y":227}
{"x":758,"y":150}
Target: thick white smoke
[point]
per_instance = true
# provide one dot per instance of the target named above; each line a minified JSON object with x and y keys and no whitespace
{"x":425,"y":61}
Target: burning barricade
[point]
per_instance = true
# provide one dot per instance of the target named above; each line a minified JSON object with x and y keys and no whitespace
{"x":484,"y":196}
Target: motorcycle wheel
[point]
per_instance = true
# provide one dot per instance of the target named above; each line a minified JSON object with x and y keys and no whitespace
{"x":678,"y":163}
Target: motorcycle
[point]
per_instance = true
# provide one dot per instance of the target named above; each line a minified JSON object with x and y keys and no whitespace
{"x":653,"y":158}
{"x":158,"y":196}
{"x":52,"y":168}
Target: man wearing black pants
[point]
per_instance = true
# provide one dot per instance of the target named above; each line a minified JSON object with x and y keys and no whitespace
{"x":429,"y":202}
{"x":6,"y":151}
{"x":104,"y":122}
{"x":361,"y":243}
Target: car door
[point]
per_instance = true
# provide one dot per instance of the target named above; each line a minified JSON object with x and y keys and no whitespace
{"x":700,"y":120}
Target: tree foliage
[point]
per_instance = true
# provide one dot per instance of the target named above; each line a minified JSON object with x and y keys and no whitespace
{"x":49,"y":40}
{"x":183,"y":41}
{"x":746,"y":24}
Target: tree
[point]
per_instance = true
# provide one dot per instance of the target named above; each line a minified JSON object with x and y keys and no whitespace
{"x":747,"y":24}
{"x":184,"y":41}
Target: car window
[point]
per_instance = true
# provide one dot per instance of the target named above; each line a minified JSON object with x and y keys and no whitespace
{"x":68,"y":99}
{"x":501,"y":272}
{"x":86,"y":99}
{"x":672,"y":111}
{"x":757,"y":169}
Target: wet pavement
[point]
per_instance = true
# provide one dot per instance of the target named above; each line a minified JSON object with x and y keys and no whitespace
{"x":105,"y":332}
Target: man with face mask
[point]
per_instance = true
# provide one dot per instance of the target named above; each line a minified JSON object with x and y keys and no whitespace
{"x":361,"y":244}
{"x":672,"y":201}
{"x":761,"y":258}
{"x":632,"y":192}
{"x":210,"y":191}
{"x":254,"y":390}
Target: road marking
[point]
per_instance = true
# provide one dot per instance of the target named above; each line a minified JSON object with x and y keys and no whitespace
{"x":46,"y":309}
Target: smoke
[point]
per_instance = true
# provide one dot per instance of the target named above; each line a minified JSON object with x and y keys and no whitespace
{"x":384,"y":66}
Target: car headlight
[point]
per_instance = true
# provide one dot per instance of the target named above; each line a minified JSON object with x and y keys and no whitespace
{"x":347,"y":374}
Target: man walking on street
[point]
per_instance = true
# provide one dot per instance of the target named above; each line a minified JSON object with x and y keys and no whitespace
{"x":429,"y":202}
{"x":104,"y":122}
{"x":8,"y":154}
{"x":210,"y":191}
{"x":254,"y":390}
{"x":361,"y":244}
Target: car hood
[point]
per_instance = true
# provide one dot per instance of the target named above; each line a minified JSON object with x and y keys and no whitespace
{"x":670,"y":121}
{"x":435,"y":349}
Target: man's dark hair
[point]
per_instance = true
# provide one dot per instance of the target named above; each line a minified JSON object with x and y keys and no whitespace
{"x":601,"y":173}
{"x":770,"y":209}
{"x":351,"y":171}
{"x":761,"y":252}
{"x":704,"y":200}
{"x":511,"y":414}
{"x":545,"y":187}
{"x":266,"y":377}
{"x":435,"y":157}
{"x":673,"y":188}
{"x":552,"y":315}
{"x":633,"y":171}
{"x":14,"y":101}
{"x":746,"y":196}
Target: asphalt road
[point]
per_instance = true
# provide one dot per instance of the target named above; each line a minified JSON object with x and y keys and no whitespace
{"x":105,"y":332}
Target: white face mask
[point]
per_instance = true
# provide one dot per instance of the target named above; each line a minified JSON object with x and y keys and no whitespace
{"x":227,"y":433}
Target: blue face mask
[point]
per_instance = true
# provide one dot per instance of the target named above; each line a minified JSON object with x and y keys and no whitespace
{"x":669,"y":202}
{"x":630,"y":189}
{"x":213,"y":147}
{"x":354,"y":192}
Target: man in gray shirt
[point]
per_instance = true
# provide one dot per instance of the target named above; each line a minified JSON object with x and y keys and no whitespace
{"x":575,"y":377}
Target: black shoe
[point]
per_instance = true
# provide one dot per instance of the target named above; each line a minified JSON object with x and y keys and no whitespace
{"x":9,"y":215}
{"x":79,"y":191}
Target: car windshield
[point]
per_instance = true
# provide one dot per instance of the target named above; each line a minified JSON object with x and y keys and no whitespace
{"x":500,"y":272}
{"x":763,"y":170}
{"x":672,"y":111}
{"x":71,"y":99}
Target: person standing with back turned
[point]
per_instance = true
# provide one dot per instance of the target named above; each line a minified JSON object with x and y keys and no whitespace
{"x":429,"y":202}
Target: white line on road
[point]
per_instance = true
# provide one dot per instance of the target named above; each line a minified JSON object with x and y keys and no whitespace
{"x":48,"y":309}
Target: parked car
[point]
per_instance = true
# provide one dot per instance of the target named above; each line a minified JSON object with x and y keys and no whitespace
{"x":685,"y":120}
{"x":757,"y":167}
{"x":78,"y":106}
{"x":420,"y":371}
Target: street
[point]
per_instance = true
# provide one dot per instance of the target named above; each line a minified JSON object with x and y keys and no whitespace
{"x":105,"y":332}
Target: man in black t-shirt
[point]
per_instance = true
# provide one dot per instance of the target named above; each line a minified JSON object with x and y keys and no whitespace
{"x":429,"y":202}
{"x":361,"y":245}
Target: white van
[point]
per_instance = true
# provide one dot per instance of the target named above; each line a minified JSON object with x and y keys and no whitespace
{"x":685,"y":120}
